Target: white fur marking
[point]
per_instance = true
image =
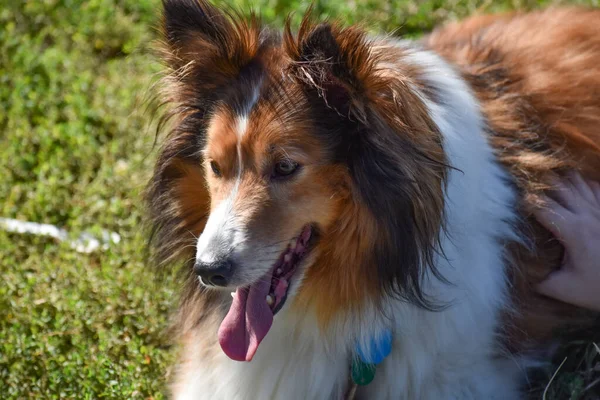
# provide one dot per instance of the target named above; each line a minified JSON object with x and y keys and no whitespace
{"x":242,"y":126}
{"x":220,"y":231}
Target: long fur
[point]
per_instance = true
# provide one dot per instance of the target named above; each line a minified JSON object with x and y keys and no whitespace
{"x":430,"y":156}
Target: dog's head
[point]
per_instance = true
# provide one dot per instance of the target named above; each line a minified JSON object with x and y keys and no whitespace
{"x":306,"y":165}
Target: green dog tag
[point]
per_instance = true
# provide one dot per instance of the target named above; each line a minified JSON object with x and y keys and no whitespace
{"x":362,"y":373}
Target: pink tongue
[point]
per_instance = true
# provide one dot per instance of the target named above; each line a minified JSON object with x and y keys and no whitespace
{"x":247,"y":322}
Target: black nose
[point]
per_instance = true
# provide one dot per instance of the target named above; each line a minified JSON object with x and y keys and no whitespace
{"x":216,"y":273}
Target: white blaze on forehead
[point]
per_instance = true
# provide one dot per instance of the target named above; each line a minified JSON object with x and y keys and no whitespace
{"x":242,"y":123}
{"x":242,"y":126}
{"x":242,"y":120}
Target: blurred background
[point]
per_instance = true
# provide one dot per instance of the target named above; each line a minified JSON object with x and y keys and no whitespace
{"x":76,"y":148}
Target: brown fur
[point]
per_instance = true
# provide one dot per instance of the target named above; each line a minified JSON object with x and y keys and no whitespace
{"x":540,"y":93}
{"x":374,"y":169}
{"x":321,"y":57}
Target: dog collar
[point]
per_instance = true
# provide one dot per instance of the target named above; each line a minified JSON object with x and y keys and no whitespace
{"x":365,"y":360}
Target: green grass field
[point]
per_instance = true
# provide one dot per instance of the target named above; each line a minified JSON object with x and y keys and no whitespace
{"x":76,"y":150}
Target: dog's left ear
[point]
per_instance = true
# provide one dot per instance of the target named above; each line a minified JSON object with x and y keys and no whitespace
{"x":333,"y":62}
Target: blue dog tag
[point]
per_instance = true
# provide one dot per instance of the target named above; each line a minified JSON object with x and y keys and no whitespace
{"x":379,"y":348}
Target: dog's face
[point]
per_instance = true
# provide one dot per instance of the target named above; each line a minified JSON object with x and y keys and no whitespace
{"x":269,"y":181}
{"x":310,"y":172}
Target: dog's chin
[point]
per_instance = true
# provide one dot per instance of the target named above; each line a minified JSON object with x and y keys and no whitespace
{"x":254,"y":306}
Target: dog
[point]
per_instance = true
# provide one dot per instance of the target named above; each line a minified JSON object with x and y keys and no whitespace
{"x":353,"y":212}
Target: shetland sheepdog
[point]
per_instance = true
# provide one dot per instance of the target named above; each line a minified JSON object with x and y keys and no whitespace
{"x":332,"y":190}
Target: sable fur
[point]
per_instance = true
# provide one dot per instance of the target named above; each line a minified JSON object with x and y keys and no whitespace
{"x":543,"y":120}
{"x":379,"y":189}
{"x":356,"y":116}
{"x":364,"y":113}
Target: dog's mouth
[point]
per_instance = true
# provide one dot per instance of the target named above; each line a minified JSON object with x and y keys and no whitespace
{"x":252,"y":310}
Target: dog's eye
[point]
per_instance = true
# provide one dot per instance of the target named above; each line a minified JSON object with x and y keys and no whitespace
{"x":285,"y":168}
{"x":215,"y":168}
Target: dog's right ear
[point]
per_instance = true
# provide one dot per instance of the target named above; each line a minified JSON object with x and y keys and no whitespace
{"x":204,"y":46}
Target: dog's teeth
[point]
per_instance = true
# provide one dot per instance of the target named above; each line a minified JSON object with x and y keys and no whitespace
{"x":270,"y":300}
{"x":287,"y":257}
{"x":279,"y":271}
{"x":232,"y":294}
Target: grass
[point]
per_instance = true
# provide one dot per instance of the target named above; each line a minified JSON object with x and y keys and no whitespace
{"x":76,"y":150}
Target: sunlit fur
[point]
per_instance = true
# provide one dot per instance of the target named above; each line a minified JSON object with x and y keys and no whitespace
{"x":536,"y":77}
{"x":418,"y":162}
